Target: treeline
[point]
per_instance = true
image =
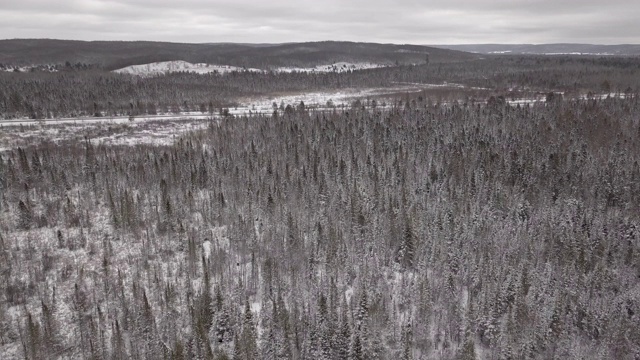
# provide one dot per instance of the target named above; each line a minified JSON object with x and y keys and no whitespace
{"x":416,"y":232}
{"x":98,"y":93}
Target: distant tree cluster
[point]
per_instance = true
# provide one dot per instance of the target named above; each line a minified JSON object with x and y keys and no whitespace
{"x":411,"y":232}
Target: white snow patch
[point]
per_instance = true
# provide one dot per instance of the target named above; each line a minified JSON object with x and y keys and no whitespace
{"x":256,"y":307}
{"x":164,"y":67}
{"x":326,"y":99}
{"x":348,"y":294}
{"x":338,"y":67}
{"x":526,"y":101}
{"x":578,"y":53}
{"x":206,"y":247}
{"x":464,"y":300}
{"x":85,"y":120}
{"x":162,"y":133}
{"x":158,"y":68}
{"x":23,"y":69}
{"x":219,"y":238}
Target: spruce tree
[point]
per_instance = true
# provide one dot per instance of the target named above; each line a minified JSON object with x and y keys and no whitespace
{"x":25,"y":216}
{"x":248,"y":338}
{"x":407,"y":343}
{"x":356,"y":352}
{"x":342,"y":337}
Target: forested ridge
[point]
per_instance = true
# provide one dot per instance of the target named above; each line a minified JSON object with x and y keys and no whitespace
{"x":416,"y":231}
{"x":111,"y":55}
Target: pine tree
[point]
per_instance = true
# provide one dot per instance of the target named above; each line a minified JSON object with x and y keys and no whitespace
{"x":363,"y":319}
{"x":205,"y":303}
{"x":238,"y":354}
{"x":223,"y":330}
{"x":467,"y":351}
{"x":145,"y":327}
{"x":25,"y":216}
{"x":407,"y":343}
{"x":312,"y":346}
{"x":147,"y":321}
{"x":408,"y":246}
{"x":50,"y":328}
{"x":248,"y":336}
{"x":356,"y":352}
{"x":341,"y":337}
{"x":282,"y":316}
{"x":363,"y":309}
{"x":5,"y":329}
{"x":178,"y":351}
{"x":115,"y":213}
{"x":269,"y":344}
{"x":60,"y":237}
{"x":118,"y":350}
{"x":194,"y":348}
{"x":34,"y":339}
{"x":36,"y":165}
{"x":325,"y":329}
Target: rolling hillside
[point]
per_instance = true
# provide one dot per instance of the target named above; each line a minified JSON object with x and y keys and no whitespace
{"x":548,"y":49}
{"x":118,"y":54}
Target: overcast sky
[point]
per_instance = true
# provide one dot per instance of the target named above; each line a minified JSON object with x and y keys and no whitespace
{"x":275,"y":21}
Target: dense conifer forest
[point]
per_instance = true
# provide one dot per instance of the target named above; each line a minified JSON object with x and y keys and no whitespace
{"x":416,"y":231}
{"x":492,"y":214}
{"x":84,"y":90}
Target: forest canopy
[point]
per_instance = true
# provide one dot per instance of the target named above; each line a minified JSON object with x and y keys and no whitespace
{"x":417,"y":231}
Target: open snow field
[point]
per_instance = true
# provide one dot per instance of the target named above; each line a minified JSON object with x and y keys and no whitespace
{"x":164,"y":67}
{"x":338,"y":67}
{"x":152,"y":132}
{"x":165,"y":128}
{"x":259,"y":104}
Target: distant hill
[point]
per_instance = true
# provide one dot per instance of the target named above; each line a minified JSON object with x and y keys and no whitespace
{"x":118,"y":54}
{"x":548,"y":49}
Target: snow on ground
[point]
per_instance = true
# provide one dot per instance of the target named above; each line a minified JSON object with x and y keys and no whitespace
{"x":151,"y":135}
{"x":206,"y":247}
{"x":219,"y":238}
{"x":164,"y":67}
{"x":338,"y":67}
{"x":603,"y":96}
{"x":110,"y":120}
{"x":527,"y":101}
{"x":542,"y":98}
{"x":579,"y":53}
{"x":157,"y":133}
{"x":256,"y":104}
{"x":327,"y":99}
{"x":10,"y":68}
{"x":164,"y":129}
{"x":348,"y":293}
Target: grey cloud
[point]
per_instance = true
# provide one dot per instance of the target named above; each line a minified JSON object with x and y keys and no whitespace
{"x":401,"y":21}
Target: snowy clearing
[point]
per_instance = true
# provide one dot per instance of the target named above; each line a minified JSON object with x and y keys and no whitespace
{"x":158,"y":68}
{"x":255,"y":104}
{"x":164,"y":129}
{"x":164,"y":67}
{"x":158,"y":133}
{"x":338,"y":67}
